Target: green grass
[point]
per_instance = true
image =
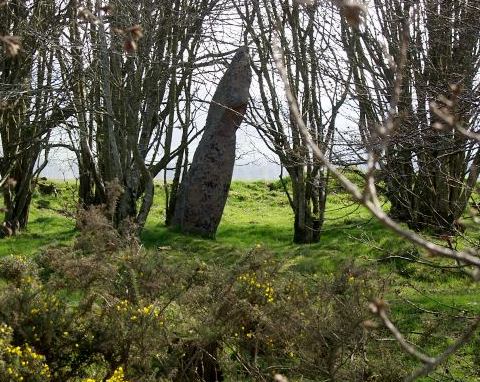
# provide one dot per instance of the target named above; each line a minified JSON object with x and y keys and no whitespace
{"x":255,"y":215}
{"x":419,"y":296}
{"x":48,"y":224}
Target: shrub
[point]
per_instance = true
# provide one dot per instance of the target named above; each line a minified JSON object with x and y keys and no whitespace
{"x":118,"y":312}
{"x":20,"y":363}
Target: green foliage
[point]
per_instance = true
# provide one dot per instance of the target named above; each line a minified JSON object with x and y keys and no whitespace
{"x":20,"y":363}
{"x":354,"y":175}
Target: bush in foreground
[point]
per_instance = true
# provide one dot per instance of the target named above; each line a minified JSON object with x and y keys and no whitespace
{"x":109,"y":310}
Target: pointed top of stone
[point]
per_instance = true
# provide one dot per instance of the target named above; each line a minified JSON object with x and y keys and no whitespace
{"x":241,"y":57}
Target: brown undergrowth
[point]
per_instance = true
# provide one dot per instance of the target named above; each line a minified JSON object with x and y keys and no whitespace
{"x":107,"y":305}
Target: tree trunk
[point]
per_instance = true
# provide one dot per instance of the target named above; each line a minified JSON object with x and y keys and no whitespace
{"x":306,"y":206}
{"x":306,"y":231}
{"x":428,"y":172}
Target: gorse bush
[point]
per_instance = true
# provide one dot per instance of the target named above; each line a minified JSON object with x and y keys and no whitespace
{"x":20,"y":363}
{"x":106,"y":309}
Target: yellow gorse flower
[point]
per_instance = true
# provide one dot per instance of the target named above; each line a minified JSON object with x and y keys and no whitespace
{"x":20,"y":362}
{"x":118,"y":376}
{"x":252,"y":283}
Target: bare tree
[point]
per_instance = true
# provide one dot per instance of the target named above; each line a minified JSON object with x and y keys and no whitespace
{"x":30,"y":99}
{"x":429,"y":172}
{"x":468,"y":258}
{"x":308,"y":36}
{"x":131,"y":86}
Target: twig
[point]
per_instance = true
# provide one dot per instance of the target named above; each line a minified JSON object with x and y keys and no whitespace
{"x":430,"y":363}
{"x":378,"y":308}
{"x":462,"y":340}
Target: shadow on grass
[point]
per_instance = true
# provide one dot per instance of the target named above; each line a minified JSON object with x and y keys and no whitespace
{"x":30,"y":243}
{"x":242,"y":236}
{"x":339,"y":243}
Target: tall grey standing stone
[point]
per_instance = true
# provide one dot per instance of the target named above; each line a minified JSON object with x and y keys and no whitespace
{"x":203,"y":192}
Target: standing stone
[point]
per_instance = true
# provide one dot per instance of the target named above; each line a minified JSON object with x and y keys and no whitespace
{"x":204,"y":190}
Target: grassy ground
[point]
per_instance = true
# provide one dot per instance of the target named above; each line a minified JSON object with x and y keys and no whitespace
{"x":255,"y":215}
{"x":429,"y":304}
